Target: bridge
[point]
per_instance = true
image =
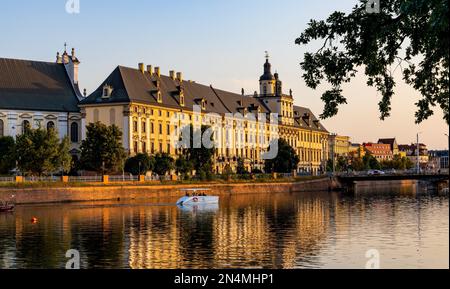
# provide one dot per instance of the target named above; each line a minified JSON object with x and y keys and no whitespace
{"x":347,"y":181}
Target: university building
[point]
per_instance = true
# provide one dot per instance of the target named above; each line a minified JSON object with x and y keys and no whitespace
{"x":144,"y":104}
{"x":41,"y":94}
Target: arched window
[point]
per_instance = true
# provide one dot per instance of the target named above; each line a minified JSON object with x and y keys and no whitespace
{"x":265,"y":89}
{"x":112,"y":116}
{"x":25,"y":126}
{"x":50,"y":125}
{"x":96,"y":115}
{"x":74,"y":132}
{"x":2,"y":130}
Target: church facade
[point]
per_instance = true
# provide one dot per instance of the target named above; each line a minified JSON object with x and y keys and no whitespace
{"x":41,"y":94}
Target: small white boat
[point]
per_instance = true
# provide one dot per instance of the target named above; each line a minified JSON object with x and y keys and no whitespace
{"x":194,"y":197}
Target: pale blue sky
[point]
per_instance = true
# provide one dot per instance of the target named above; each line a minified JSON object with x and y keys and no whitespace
{"x":212,"y":42}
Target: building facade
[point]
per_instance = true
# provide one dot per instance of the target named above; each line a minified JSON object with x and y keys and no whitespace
{"x":41,"y":94}
{"x":151,"y":109}
{"x":382,"y":152}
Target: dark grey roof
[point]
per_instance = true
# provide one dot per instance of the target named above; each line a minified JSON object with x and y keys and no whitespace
{"x":33,"y":85}
{"x":304,"y":118}
{"x":131,"y":85}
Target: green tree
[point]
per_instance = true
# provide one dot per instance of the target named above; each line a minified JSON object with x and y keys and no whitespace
{"x":102,"y":149}
{"x":357,"y":164}
{"x":7,"y":154}
{"x":164,"y":163}
{"x":183,"y":166}
{"x":40,"y":152}
{"x":200,"y":156}
{"x":412,"y":35}
{"x":139,"y":164}
{"x":370,"y":162}
{"x":286,"y":160}
{"x":240,"y":169}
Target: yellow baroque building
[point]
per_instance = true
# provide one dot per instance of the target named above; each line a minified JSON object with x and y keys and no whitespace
{"x":151,"y":108}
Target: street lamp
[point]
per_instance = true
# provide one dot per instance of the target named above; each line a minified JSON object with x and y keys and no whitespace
{"x":418,"y":153}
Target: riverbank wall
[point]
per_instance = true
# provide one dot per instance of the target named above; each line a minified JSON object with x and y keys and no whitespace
{"x":141,"y":192}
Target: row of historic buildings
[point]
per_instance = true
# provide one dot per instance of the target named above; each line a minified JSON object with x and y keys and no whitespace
{"x":151,"y":109}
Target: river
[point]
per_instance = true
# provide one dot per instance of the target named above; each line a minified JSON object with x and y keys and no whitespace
{"x":407,"y":227}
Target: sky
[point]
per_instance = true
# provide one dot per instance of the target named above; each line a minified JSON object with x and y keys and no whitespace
{"x":222,"y":43}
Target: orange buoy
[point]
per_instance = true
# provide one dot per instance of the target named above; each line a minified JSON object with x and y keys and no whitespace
{"x":34,"y":220}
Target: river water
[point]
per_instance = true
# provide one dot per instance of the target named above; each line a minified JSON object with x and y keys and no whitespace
{"x":408,"y":228}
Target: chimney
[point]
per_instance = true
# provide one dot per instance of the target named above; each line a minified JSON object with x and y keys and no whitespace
{"x":150,"y":70}
{"x":158,"y":71}
{"x":141,"y":67}
{"x":180,"y":76}
{"x":58,"y":58}
{"x":172,"y":74}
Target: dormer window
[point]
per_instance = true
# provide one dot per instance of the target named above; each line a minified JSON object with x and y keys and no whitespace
{"x":203,"y":104}
{"x":107,"y":91}
{"x":181,"y":98}
{"x":159,"y":96}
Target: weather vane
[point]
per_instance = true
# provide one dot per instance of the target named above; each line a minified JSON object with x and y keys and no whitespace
{"x":267,"y":55}
{"x":65,"y":46}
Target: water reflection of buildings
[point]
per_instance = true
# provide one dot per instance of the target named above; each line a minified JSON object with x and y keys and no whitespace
{"x":270,"y":231}
{"x":154,"y":241}
{"x":248,"y":231}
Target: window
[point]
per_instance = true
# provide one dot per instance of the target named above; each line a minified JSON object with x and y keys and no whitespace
{"x":50,"y":125}
{"x":265,"y":89}
{"x":152,"y":148}
{"x":152,"y":128}
{"x":144,"y":130}
{"x":26,"y":126}
{"x":2,"y":132}
{"x":144,"y":147}
{"x":160,"y":128}
{"x":182,"y":99}
{"x":168,"y":129}
{"x":112,"y":116}
{"x":135,"y":126}
{"x":159,"y":96}
{"x":160,"y":147}
{"x":135,"y":146}
{"x":74,"y":132}
{"x":96,"y":115}
{"x":168,"y":148}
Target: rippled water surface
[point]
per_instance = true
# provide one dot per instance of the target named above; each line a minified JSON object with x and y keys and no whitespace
{"x":301,"y":230}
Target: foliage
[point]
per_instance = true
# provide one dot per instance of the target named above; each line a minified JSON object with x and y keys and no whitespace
{"x":286,"y":160}
{"x":39,"y":152}
{"x":164,"y":163}
{"x":196,"y":153}
{"x":370,"y":162}
{"x":410,"y":33}
{"x":102,"y":150}
{"x":227,"y":172}
{"x":398,"y":163}
{"x":139,"y":164}
{"x":240,"y":169}
{"x":183,"y":166}
{"x":7,"y":154}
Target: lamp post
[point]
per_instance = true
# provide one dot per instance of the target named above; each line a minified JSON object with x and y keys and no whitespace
{"x":448,"y":148}
{"x":418,"y":153}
